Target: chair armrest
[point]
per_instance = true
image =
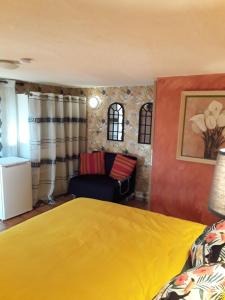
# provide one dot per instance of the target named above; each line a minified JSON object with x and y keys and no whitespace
{"x":121,"y":183}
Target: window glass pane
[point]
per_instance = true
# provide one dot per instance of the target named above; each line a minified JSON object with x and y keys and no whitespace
{"x":148,"y":121}
{"x":110,"y":135}
{"x":120,"y":119}
{"x":147,"y":139}
{"x":148,"y":130}
{"x":120,"y":127}
{"x":142,"y":139}
{"x":142,"y":129}
{"x":114,"y":134}
{"x":116,"y":116}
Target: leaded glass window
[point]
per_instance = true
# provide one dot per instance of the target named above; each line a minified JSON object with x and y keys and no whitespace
{"x":145,"y":123}
{"x":115,"y":130}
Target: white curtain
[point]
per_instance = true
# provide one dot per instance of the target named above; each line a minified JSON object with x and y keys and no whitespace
{"x":23,"y":126}
{"x":1,"y":127}
{"x":9,"y":139}
{"x":14,"y":129}
{"x":57,"y":136}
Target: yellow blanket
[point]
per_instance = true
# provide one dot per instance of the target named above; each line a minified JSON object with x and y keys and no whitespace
{"x":93,"y":250}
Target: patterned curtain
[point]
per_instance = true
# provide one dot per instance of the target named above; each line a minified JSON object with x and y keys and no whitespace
{"x":57,"y":136}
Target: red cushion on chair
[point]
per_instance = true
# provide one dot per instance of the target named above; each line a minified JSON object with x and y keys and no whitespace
{"x":92,"y":163}
{"x":122,"y":167}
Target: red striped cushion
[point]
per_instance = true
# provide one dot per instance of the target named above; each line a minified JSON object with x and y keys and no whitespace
{"x":122,"y":167}
{"x":92,"y":163}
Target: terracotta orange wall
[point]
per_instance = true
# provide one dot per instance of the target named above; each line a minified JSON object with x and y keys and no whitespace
{"x":179,"y":188}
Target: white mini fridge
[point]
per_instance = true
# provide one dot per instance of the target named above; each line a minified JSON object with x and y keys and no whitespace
{"x":15,"y":187}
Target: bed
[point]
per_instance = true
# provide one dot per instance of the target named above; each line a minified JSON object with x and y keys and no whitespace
{"x":88,"y":249}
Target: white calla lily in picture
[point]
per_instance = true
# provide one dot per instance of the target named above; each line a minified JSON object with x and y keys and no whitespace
{"x":201,"y":126}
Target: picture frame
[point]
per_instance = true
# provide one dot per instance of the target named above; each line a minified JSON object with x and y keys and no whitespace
{"x":201,"y":131}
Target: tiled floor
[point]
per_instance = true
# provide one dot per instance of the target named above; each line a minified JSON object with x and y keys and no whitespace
{"x":45,"y":207}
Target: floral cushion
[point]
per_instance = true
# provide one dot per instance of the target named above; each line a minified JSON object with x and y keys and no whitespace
{"x":210,"y":245}
{"x":203,"y":282}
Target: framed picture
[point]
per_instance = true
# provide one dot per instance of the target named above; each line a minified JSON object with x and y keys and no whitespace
{"x":201,"y":126}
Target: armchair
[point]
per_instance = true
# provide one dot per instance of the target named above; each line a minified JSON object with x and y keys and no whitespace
{"x":103,"y":187}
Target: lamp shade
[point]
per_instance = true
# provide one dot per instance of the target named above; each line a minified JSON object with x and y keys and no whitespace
{"x":94,"y":102}
{"x":217,"y":194}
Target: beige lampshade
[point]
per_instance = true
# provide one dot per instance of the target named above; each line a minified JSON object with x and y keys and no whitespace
{"x":217,"y":194}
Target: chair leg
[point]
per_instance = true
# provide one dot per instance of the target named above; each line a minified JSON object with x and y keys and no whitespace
{"x":130,"y":197}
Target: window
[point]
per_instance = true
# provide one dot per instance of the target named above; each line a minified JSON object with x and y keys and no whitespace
{"x":145,"y":124}
{"x":115,"y":130}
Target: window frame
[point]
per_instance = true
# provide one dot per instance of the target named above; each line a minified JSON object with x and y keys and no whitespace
{"x":108,"y":123}
{"x":140,"y":135}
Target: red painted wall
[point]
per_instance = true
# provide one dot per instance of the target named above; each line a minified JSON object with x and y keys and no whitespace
{"x":179,"y":188}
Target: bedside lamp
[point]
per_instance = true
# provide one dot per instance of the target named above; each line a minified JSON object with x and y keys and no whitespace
{"x":217,"y":194}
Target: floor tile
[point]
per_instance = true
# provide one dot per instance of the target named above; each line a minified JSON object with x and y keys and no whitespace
{"x":44,"y":208}
{"x":13,"y":221}
{"x":59,"y":201}
{"x":136,"y":203}
{"x":30,"y":214}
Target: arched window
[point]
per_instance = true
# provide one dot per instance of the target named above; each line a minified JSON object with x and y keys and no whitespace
{"x":115,"y":131}
{"x":145,"y":123}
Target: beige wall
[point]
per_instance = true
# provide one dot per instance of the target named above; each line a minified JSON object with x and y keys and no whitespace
{"x":132,"y":98}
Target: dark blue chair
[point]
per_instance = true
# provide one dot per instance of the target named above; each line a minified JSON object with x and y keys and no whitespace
{"x":103,"y":187}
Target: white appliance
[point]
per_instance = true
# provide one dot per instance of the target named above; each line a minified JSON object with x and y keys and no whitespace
{"x":15,"y":187}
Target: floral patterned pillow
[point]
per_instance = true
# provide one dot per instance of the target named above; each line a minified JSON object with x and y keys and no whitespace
{"x":210,"y":245}
{"x":204,"y":282}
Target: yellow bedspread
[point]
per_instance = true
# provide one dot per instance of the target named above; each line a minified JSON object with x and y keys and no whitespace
{"x":93,"y":250}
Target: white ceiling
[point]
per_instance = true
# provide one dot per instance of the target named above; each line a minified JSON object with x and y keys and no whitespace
{"x":112,"y":42}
